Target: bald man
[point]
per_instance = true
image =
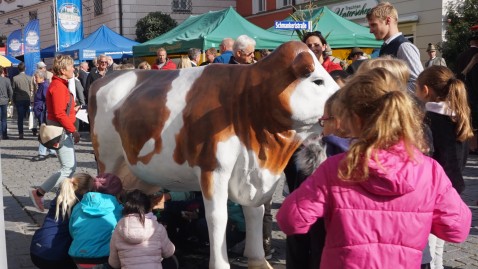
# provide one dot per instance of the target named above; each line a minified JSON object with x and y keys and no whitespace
{"x":226,"y":51}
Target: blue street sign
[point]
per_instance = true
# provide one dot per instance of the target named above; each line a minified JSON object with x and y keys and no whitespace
{"x":293,"y":25}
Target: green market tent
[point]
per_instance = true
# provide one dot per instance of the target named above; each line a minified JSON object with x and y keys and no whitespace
{"x":340,"y":32}
{"x":208,"y":30}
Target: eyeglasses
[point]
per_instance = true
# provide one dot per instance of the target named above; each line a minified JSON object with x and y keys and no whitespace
{"x":323,"y":119}
{"x":103,"y":62}
{"x":248,"y":54}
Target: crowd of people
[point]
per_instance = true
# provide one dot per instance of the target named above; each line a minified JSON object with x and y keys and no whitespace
{"x":380,"y":187}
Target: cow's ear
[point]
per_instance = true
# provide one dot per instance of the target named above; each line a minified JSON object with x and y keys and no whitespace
{"x":303,"y":65}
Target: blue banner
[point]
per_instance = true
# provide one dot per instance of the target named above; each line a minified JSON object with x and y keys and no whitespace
{"x":31,"y":41}
{"x":69,"y":22}
{"x":14,"y":43}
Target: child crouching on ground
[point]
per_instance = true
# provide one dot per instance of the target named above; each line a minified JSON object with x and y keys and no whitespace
{"x":50,"y":243}
{"x":93,"y":221}
{"x":139,"y":240}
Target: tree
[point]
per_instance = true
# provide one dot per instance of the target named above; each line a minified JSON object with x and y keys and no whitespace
{"x":153,"y":25}
{"x":461,"y":15}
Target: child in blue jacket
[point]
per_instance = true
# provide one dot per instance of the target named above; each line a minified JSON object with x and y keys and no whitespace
{"x":93,"y":220}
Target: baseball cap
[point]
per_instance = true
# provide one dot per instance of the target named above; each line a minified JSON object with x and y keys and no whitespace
{"x":41,"y":65}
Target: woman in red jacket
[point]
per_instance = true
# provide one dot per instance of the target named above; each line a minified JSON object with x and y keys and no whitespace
{"x":60,"y":106}
{"x":317,"y":43}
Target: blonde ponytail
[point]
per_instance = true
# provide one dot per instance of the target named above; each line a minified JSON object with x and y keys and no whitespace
{"x":80,"y":183}
{"x":387,"y":114}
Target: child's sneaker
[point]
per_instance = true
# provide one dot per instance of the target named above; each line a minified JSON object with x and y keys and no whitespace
{"x":37,"y":200}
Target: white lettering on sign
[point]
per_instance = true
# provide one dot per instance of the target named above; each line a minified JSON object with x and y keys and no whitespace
{"x":354,"y":10}
{"x":293,"y":25}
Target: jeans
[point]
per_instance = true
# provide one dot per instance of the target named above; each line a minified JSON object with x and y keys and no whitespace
{"x":23,"y":107}
{"x":43,"y":151}
{"x":3,"y":120}
{"x":66,"y":156}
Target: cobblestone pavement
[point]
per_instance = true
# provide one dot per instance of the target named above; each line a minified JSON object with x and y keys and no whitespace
{"x":22,"y":219}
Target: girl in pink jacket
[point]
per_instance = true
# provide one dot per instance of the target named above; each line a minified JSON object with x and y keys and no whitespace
{"x":139,"y":240}
{"x":382,"y":198}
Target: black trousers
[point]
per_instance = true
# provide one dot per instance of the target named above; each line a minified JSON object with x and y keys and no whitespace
{"x":305,"y":250}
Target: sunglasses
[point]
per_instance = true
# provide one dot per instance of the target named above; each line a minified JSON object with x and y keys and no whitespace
{"x":323,"y":119}
{"x":103,"y":62}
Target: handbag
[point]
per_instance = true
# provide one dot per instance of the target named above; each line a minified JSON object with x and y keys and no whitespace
{"x":52,"y":135}
{"x":31,"y":119}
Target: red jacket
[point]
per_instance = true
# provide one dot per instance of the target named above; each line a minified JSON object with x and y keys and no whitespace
{"x":330,"y":66}
{"x":169,"y":65}
{"x":57,"y":99}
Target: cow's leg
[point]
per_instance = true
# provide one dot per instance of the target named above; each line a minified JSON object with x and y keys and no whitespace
{"x":254,"y":250}
{"x":216,"y":216}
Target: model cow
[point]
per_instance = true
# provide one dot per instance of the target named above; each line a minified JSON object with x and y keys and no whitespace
{"x":227,"y":130}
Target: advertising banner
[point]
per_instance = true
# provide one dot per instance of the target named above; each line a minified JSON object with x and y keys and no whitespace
{"x":31,"y":41}
{"x":69,"y":22}
{"x":14,"y":43}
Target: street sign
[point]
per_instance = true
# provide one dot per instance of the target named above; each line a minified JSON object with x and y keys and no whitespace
{"x":293,"y":25}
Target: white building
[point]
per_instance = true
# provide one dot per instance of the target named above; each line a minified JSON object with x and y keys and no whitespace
{"x":119,"y":15}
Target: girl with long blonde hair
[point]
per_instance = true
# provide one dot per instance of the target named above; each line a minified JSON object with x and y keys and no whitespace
{"x":381,"y":199}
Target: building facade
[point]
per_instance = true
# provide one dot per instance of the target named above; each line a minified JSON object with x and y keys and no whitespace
{"x":422,"y":21}
{"x":119,"y":15}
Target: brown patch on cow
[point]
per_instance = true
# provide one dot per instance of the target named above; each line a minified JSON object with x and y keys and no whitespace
{"x":142,"y":115}
{"x":250,"y":101}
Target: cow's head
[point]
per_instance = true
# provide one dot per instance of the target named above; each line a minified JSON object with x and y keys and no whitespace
{"x":301,"y":87}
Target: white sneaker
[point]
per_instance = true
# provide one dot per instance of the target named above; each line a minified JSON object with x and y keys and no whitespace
{"x":37,"y":200}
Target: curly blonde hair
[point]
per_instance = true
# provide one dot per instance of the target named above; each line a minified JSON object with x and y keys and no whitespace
{"x":60,"y":63}
{"x":386,"y":116}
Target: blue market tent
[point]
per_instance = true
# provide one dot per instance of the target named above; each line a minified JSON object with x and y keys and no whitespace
{"x":48,"y":52}
{"x":14,"y":60}
{"x":102,"y":41}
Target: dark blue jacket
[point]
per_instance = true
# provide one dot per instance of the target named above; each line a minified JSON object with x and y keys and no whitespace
{"x":52,"y":240}
{"x":39,"y":102}
{"x":335,"y":144}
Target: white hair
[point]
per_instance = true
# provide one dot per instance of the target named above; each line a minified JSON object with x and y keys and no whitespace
{"x":242,"y":42}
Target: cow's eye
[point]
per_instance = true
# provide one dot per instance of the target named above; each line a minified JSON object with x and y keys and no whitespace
{"x":319,"y":82}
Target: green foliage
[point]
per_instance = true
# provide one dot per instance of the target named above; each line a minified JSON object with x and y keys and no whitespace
{"x":460,"y":17}
{"x":153,"y":25}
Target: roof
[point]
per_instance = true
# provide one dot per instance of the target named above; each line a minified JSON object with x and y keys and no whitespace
{"x":339,"y":32}
{"x":102,"y":41}
{"x":208,"y":30}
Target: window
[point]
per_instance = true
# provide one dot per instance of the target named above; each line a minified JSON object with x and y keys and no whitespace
{"x":33,"y":14}
{"x":258,"y":6}
{"x":283,"y":3}
{"x":98,"y":7}
{"x":181,"y":6}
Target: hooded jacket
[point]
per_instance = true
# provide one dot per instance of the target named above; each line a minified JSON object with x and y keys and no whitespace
{"x":92,"y":223}
{"x":136,"y":246}
{"x":383,"y":222}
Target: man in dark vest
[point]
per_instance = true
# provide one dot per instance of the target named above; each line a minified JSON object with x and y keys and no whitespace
{"x":383,"y":23}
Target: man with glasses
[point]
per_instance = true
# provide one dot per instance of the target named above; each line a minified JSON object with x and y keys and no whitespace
{"x":100,"y":71}
{"x":243,"y":50}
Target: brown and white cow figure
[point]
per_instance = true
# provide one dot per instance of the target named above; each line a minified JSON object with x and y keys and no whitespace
{"x":227,"y":130}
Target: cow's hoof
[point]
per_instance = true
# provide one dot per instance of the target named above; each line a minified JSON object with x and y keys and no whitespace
{"x":259,"y":265}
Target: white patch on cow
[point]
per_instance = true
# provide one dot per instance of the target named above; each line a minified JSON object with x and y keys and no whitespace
{"x":171,"y":175}
{"x":250,"y":184}
{"x":111,"y":96}
{"x":147,"y":148}
{"x":308,"y":99}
